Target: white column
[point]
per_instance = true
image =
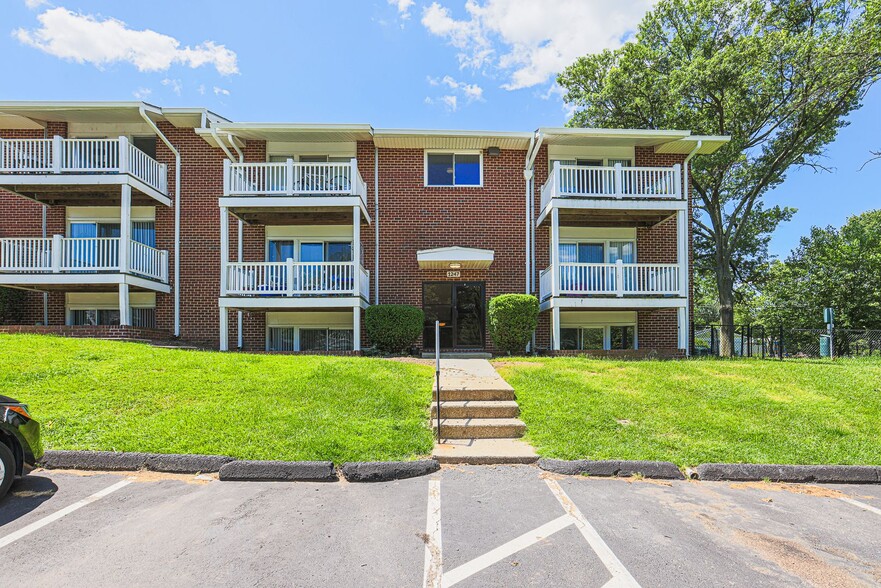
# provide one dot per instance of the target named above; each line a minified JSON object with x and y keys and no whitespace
{"x":57,"y":153}
{"x":239,"y":259}
{"x":684,"y":285}
{"x":356,"y":328}
{"x":555,"y":328}
{"x":125,"y":228}
{"x":555,"y":251}
{"x":45,"y":294}
{"x":224,"y":247}
{"x":356,"y":250}
{"x":224,"y":329}
{"x":125,"y":310}
{"x":682,"y":316}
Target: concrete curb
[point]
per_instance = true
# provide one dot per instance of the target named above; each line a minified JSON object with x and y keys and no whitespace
{"x":282,"y":471}
{"x":186,"y":464}
{"x":823,"y":474}
{"x":384,"y":471}
{"x":662,"y":470}
{"x":121,"y":461}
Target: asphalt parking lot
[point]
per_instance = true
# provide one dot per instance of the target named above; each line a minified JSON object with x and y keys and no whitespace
{"x":463,"y":526}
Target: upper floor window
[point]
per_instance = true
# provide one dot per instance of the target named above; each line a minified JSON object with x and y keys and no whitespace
{"x":453,"y":169}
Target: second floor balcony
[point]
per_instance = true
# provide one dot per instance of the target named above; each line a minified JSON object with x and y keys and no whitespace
{"x":58,"y":162}
{"x":616,"y":182}
{"x":612,"y":280}
{"x":290,"y":178}
{"x":296,"y":279}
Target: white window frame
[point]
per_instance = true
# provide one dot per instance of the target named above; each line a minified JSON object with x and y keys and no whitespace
{"x":297,"y":328}
{"x":298,"y":240}
{"x":605,"y":243}
{"x":607,"y":334}
{"x":452,"y":152}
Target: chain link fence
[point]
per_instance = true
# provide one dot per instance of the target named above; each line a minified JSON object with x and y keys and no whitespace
{"x":784,"y":342}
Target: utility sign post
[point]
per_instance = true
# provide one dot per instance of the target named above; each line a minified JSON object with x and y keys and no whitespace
{"x":829,"y":319}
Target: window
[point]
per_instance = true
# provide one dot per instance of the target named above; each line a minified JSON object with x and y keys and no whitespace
{"x":146,"y":144}
{"x":93,"y":317}
{"x":144,"y":318}
{"x":310,"y":339}
{"x":282,"y":339}
{"x":622,"y":337}
{"x":598,"y":338}
{"x":282,"y":250}
{"x":453,"y":169}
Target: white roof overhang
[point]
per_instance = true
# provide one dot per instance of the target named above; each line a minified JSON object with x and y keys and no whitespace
{"x":429,"y":139}
{"x":18,"y":115}
{"x":455,"y":258}
{"x":291,"y":132}
{"x":709,"y":144}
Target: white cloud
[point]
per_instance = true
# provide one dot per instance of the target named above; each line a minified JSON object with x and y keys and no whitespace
{"x":201,"y":89}
{"x":176,"y":85}
{"x":85,"y":38}
{"x":471,"y":92}
{"x":34,"y":4}
{"x":142,"y":93}
{"x":531,"y":41}
{"x":448,"y":101}
{"x":403,"y":7}
{"x":221,"y":91}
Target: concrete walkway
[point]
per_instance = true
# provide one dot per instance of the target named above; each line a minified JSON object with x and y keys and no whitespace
{"x":479,"y":416}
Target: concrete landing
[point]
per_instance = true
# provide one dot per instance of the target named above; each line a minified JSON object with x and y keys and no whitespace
{"x":484,"y":451}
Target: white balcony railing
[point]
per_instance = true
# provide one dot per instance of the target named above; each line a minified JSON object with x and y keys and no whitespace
{"x":81,"y":156}
{"x":578,"y":181}
{"x":79,"y":255}
{"x":611,"y":279}
{"x":292,"y":278}
{"x":290,"y":178}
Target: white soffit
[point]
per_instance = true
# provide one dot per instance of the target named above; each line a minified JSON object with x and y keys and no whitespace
{"x":294,"y":132}
{"x":609,"y":137}
{"x":80,"y":112}
{"x":429,"y":139}
{"x":709,"y":144}
{"x":454,"y":258}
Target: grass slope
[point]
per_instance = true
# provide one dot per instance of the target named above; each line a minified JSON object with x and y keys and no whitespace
{"x":691,"y":412}
{"x":91,"y":394}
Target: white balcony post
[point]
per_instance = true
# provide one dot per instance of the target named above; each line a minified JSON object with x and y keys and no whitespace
{"x":356,"y":328}
{"x":682,"y":252}
{"x":57,"y":252}
{"x":125,"y":309}
{"x":163,"y":178}
{"x":682,"y":316}
{"x":224,"y":329}
{"x":555,"y":328}
{"x":619,"y":278}
{"x":57,"y":153}
{"x":123,"y":155}
{"x":227,"y":176}
{"x":356,"y":250}
{"x":289,"y":177}
{"x":619,"y":180}
{"x":289,"y":269}
{"x":677,"y":180}
{"x":556,"y":270}
{"x":555,"y":187}
{"x":353,"y":187}
{"x":224,"y":250}
{"x":240,"y":318}
{"x":125,"y":228}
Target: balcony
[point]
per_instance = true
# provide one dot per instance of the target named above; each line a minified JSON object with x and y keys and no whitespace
{"x":617,"y":182}
{"x":296,"y":279}
{"x":291,"y":178}
{"x":617,"y":280}
{"x":35,"y":163}
{"x":60,"y":260}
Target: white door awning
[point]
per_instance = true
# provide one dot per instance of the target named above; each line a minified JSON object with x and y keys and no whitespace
{"x":455,"y":258}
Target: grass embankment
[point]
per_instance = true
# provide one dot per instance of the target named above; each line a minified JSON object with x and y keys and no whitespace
{"x":105,"y":395}
{"x":691,"y":412}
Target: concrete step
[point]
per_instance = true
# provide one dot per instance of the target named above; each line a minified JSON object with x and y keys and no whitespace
{"x":477,"y":409}
{"x":458,"y":355}
{"x":481,"y":428}
{"x":484,"y":451}
{"x":465,"y":394}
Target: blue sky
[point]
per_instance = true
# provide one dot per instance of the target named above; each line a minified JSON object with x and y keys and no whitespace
{"x":466,"y":64}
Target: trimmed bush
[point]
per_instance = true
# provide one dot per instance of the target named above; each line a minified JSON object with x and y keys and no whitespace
{"x":512,"y":320}
{"x":12,"y":306}
{"x":392,"y":328}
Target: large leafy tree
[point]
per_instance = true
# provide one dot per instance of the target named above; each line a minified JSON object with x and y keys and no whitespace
{"x":833,"y":267}
{"x":778,"y":77}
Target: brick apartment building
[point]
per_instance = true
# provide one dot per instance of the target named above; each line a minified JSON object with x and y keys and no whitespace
{"x":130,"y":220}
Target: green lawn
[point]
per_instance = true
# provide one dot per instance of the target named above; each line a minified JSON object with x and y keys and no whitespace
{"x":91,"y":394}
{"x":699,"y":411}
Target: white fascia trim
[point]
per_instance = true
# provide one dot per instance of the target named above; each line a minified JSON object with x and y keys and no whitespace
{"x":233,"y":202}
{"x":36,"y":280}
{"x":284,"y":303}
{"x":625,"y":303}
{"x":667,"y":204}
{"x":11,"y":181}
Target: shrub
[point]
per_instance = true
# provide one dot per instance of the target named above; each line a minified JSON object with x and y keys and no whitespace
{"x":12,"y":306}
{"x":392,"y":328}
{"x":512,"y":319}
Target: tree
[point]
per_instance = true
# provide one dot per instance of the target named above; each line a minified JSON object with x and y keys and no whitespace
{"x":833,"y":267}
{"x":778,"y":77}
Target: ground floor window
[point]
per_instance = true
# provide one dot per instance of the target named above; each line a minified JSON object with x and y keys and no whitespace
{"x":310,"y":339}
{"x":599,"y":337}
{"x":144,"y":318}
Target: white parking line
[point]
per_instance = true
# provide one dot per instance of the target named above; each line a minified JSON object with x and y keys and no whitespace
{"x":433,"y":560}
{"x":24,"y":531}
{"x":620,"y":575}
{"x":508,"y":549}
{"x":862,"y":505}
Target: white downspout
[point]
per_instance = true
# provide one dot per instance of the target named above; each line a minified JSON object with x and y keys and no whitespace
{"x":687,"y":189}
{"x":177,"y":197}
{"x":375,"y":225}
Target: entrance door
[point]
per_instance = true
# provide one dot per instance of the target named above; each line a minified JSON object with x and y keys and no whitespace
{"x":460,"y":305}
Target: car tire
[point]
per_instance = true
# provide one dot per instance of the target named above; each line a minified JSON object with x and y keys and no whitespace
{"x":7,"y":469}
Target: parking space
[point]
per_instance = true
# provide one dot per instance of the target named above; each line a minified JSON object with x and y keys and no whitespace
{"x":463,"y":526}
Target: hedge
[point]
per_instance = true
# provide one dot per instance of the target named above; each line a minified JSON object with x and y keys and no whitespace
{"x":512,"y":320}
{"x":393,"y":328}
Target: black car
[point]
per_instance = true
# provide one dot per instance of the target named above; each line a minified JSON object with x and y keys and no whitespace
{"x":19,"y":441}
